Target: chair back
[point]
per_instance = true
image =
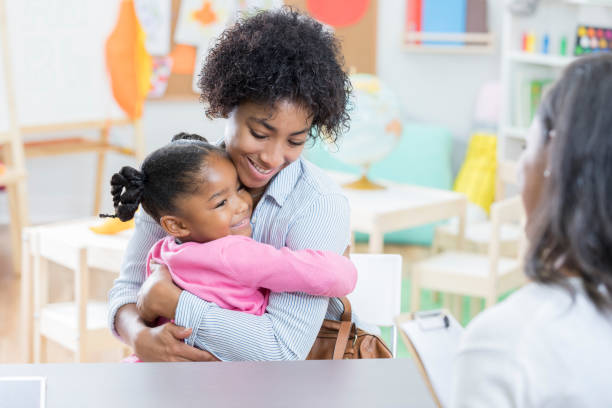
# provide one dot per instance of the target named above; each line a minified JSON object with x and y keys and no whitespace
{"x":503,"y":212}
{"x":507,"y":175}
{"x":377,"y":296}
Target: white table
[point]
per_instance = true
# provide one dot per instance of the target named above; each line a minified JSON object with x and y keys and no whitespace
{"x":308,"y":384}
{"x":398,"y":207}
{"x":65,"y":243}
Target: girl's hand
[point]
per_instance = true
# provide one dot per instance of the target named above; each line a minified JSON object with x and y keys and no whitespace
{"x":165,"y":343}
{"x":158,"y":296}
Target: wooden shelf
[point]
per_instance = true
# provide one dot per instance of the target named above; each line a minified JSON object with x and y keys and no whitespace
{"x":595,"y":3}
{"x":517,"y":133}
{"x":469,"y":43}
{"x":540,"y":59}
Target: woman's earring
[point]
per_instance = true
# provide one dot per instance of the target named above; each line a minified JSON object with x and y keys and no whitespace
{"x":547,"y":173}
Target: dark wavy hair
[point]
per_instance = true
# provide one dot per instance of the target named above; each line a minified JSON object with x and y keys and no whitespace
{"x":166,"y":174}
{"x":279,"y":55}
{"x":573,"y":227}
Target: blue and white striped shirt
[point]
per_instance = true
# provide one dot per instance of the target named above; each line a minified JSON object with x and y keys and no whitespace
{"x":301,"y":208}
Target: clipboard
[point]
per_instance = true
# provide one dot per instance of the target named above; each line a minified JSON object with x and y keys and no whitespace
{"x":432,"y":337}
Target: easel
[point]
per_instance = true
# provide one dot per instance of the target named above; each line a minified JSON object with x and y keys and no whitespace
{"x":14,"y":178}
{"x":76,"y":145}
{"x":14,"y":150}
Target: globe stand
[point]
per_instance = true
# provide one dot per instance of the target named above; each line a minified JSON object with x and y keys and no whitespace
{"x":364,"y":183}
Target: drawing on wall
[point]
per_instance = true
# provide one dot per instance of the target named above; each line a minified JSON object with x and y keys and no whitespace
{"x":154,"y":17}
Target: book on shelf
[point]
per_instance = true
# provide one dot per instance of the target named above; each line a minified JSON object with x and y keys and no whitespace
{"x":528,"y":96}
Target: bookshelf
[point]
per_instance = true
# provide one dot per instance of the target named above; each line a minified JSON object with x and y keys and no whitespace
{"x":557,"y":19}
{"x":456,"y":27}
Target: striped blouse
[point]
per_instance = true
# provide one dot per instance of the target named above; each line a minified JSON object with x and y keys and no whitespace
{"x":301,"y":209}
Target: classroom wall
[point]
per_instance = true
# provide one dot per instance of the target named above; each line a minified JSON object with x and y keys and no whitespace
{"x":435,"y":88}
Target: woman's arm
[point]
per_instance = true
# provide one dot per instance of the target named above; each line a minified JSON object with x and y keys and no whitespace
{"x":133,"y":271}
{"x":486,"y":372}
{"x":150,"y":344}
{"x":292,"y":320}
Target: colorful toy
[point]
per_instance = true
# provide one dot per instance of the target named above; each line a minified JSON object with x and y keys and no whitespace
{"x":545,"y":44}
{"x":592,"y":39}
{"x":563,"y":46}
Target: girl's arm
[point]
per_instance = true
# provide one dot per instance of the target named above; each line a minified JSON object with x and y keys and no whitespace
{"x":292,"y":320}
{"x":258,"y":265}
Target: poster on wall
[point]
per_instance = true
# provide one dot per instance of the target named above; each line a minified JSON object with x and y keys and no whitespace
{"x":199,"y":22}
{"x":162,"y":67}
{"x":250,"y":6}
{"x":154,"y":17}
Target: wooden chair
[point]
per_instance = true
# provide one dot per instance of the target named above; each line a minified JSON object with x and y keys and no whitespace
{"x":80,"y":325}
{"x":478,"y":234}
{"x":473,"y":274}
{"x":377,"y":298}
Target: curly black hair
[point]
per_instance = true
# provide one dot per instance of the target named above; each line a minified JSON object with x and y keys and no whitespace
{"x":278,"y":55}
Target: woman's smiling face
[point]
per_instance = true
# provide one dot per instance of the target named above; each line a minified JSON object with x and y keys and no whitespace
{"x":261,"y":141}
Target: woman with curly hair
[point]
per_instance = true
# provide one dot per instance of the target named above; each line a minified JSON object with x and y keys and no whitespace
{"x":277,"y":77}
{"x":549,"y":344}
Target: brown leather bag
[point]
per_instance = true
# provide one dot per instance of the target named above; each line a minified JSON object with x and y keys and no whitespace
{"x":343,"y":340}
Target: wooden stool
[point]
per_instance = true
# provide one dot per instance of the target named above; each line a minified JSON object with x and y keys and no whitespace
{"x":80,"y":325}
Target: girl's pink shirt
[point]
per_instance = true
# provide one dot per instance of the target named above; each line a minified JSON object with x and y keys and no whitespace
{"x":238,"y":273}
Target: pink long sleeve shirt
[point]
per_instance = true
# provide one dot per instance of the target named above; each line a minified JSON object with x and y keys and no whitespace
{"x":238,"y":273}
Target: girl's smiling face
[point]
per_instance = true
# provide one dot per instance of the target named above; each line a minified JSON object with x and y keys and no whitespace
{"x":262,"y":141}
{"x":219,"y":206}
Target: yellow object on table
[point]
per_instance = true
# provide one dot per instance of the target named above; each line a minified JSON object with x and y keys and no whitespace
{"x":112,"y":226}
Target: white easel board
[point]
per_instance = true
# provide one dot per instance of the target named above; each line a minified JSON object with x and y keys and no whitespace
{"x":57,"y":53}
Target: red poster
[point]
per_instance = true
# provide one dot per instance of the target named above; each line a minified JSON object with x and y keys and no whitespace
{"x":338,"y":13}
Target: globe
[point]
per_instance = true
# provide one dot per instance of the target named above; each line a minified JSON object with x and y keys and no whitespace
{"x":375,"y":130}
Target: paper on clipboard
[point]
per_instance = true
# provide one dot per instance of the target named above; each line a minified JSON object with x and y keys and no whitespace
{"x":435,"y":346}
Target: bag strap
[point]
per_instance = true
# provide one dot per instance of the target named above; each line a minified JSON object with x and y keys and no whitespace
{"x":342,"y":340}
{"x":345,"y":330}
{"x":346,"y":315}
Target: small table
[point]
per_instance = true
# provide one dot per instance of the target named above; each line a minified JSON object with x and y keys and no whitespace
{"x":65,"y":243}
{"x":398,"y":207}
{"x":344,"y":383}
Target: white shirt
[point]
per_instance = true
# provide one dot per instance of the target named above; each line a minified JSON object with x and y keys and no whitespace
{"x":537,"y":349}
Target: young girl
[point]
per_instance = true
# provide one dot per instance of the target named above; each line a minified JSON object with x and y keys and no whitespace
{"x":191,"y":189}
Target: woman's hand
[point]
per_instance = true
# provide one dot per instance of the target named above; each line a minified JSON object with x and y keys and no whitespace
{"x":165,"y":343}
{"x":158,"y":296}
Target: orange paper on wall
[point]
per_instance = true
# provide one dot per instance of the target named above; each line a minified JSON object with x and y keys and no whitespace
{"x":183,"y":59}
{"x":128,"y":62}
